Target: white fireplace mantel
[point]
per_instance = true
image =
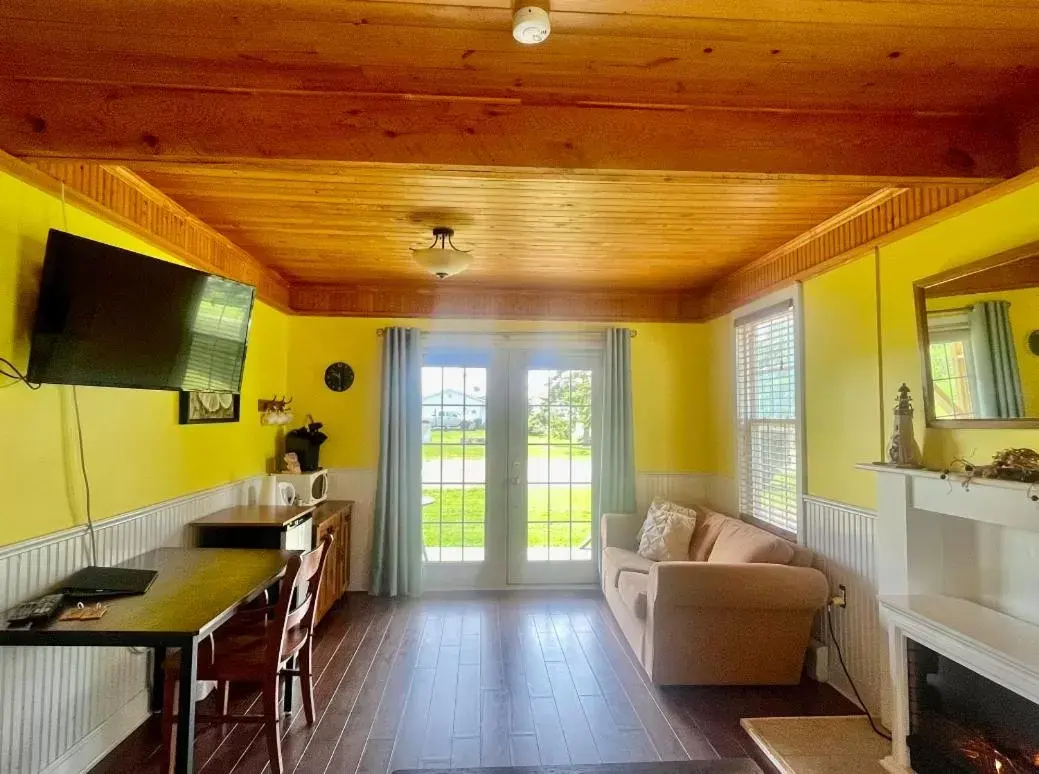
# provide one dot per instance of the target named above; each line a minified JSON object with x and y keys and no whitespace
{"x":1006,"y":503}
{"x":956,"y":571}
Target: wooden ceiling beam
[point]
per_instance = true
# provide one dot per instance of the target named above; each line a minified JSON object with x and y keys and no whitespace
{"x":117,"y":124}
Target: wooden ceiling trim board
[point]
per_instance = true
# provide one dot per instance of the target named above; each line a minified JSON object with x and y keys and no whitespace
{"x":843,"y":237}
{"x":127,"y":123}
{"x":461,"y":301}
{"x":115,"y":196}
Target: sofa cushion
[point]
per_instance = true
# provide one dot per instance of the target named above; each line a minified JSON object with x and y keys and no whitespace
{"x":709,"y":525}
{"x":667,"y":532}
{"x":742,"y":543}
{"x":632,"y":588}
{"x":618,"y":560}
{"x":803,"y":557}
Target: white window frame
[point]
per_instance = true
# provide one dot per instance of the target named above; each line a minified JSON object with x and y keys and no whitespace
{"x":944,"y":327}
{"x":792,"y":294}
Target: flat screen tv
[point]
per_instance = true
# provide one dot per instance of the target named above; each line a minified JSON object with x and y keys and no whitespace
{"x":108,"y":317}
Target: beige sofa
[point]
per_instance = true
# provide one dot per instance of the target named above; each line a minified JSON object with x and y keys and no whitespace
{"x":738,"y":612}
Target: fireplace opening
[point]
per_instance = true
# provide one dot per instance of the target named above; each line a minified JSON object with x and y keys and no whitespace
{"x":960,"y":721}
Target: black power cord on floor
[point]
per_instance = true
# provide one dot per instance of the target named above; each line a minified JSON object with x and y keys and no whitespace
{"x":840,"y":657}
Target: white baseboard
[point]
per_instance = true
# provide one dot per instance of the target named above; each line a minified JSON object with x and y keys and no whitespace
{"x":89,"y":750}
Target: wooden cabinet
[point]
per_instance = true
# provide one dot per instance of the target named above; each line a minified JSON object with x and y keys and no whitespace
{"x":332,"y":517}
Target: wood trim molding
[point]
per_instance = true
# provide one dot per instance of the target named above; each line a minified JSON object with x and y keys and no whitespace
{"x":117,"y":196}
{"x":882,"y":217}
{"x":461,"y":301}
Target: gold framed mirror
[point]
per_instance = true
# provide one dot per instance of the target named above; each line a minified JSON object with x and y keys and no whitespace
{"x":977,"y":325}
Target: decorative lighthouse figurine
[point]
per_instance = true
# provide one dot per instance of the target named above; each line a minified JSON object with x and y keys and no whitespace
{"x":902,"y":451}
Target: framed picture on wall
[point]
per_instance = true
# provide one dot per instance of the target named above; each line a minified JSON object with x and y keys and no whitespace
{"x":200,"y":407}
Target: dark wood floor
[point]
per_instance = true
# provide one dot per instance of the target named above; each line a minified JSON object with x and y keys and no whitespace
{"x":483,"y":679}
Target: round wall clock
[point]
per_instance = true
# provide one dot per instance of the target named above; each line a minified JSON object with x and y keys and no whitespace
{"x":1033,"y":342}
{"x":339,"y":377}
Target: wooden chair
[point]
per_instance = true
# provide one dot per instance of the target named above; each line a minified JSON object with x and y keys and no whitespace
{"x":258,"y":646}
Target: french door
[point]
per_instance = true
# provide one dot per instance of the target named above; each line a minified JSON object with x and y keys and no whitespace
{"x":508,"y":474}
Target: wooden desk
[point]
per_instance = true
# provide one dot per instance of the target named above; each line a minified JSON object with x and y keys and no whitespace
{"x":194,"y":592}
{"x":256,"y":526}
{"x":260,"y":516}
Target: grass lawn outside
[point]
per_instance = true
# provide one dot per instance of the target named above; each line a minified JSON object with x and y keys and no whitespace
{"x":456,"y":517}
{"x":470,"y":444}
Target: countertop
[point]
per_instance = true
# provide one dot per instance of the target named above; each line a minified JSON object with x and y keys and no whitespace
{"x":254,"y":516}
{"x":329,"y":508}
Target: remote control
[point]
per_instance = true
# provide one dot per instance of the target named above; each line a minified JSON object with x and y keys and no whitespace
{"x":35,"y":610}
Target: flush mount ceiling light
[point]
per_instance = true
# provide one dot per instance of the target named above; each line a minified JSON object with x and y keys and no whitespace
{"x":442,"y":259}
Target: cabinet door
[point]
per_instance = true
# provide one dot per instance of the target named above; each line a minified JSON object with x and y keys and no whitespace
{"x":344,"y":551}
{"x":329,"y":579}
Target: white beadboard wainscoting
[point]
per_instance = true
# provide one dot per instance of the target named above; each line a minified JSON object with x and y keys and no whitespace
{"x":61,"y":709}
{"x":682,"y":488}
{"x":359,"y":484}
{"x":843,"y":539}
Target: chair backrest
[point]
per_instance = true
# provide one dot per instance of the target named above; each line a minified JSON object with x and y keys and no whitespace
{"x":302,"y":578}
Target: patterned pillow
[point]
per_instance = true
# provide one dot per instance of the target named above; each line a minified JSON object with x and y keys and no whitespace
{"x":666,"y":533}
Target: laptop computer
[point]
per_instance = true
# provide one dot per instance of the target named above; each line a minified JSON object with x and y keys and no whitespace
{"x":107,"y":582}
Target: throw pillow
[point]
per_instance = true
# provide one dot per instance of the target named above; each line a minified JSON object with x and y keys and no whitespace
{"x":658,"y":504}
{"x":666,"y":532}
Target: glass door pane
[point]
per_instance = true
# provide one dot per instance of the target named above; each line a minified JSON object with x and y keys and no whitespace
{"x":551,"y":438}
{"x":559,"y":465}
{"x":454,"y":463}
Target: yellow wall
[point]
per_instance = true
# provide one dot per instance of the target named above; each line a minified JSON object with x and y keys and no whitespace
{"x":136,"y":452}
{"x":669,"y":386}
{"x":1005,"y":223}
{"x":847,"y":410}
{"x":1024,"y":318}
{"x":721,"y":397}
{"x":842,"y":382}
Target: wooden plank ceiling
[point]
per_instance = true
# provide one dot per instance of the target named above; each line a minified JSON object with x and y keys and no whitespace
{"x":527,"y":228}
{"x":648,"y":147}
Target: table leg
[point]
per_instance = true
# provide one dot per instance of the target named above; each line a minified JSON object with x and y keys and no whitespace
{"x":158,"y":678}
{"x":185,"y":743}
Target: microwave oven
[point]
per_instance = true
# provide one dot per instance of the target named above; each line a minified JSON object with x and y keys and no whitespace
{"x":311,"y":488}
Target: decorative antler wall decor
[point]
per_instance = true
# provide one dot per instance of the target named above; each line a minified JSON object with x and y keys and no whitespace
{"x":275,"y":411}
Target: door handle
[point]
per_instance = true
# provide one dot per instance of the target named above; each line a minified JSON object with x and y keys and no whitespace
{"x":514,"y":479}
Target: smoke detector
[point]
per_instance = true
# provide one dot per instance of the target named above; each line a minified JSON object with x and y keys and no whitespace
{"x":531,"y":25}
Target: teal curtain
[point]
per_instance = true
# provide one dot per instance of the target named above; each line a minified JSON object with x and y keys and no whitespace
{"x":997,"y":377}
{"x":616,"y":452}
{"x":397,"y":532}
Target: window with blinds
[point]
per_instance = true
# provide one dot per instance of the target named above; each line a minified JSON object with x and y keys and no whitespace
{"x":766,"y":414}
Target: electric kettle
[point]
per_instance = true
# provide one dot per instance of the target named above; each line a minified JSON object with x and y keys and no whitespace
{"x":274,"y":492}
